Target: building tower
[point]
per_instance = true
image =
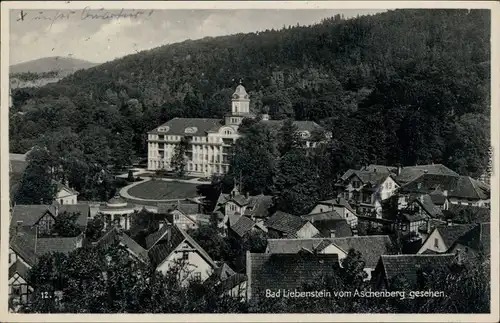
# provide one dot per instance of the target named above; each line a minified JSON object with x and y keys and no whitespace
{"x":240,"y":106}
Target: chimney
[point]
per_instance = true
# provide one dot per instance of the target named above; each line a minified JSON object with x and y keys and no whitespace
{"x":448,"y":222}
{"x":169,"y":232}
{"x":332,"y":233}
{"x":354,"y":232}
{"x":161,"y":224}
{"x":445,"y":192}
{"x":399,"y":170}
{"x":246,"y":194}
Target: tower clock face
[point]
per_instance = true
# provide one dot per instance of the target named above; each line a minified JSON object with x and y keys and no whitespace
{"x":235,"y":96}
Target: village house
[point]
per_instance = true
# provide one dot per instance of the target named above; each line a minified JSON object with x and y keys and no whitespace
{"x":330,"y":224}
{"x":184,"y":214}
{"x":117,"y":235}
{"x":25,"y":248}
{"x":65,"y":194}
{"x":370,"y":247}
{"x":390,"y":267}
{"x":473,"y":244}
{"x":43,"y":216}
{"x":340,"y":206}
{"x":365,"y":189}
{"x":284,"y":225}
{"x":443,"y":237}
{"x":229,"y":282}
{"x":171,"y":245}
{"x":210,"y":141}
{"x":243,"y":226}
{"x":278,"y":272}
{"x":461,"y":190}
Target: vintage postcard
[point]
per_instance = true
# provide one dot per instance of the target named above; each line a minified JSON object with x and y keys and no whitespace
{"x":249,"y":161}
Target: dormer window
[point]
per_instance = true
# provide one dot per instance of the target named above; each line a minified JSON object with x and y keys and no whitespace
{"x":304,"y":134}
{"x":164,"y":129}
{"x":190,"y":130}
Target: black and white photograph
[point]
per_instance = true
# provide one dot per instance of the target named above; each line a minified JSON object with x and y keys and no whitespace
{"x":216,"y":158}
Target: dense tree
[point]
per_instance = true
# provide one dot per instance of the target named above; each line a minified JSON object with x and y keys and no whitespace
{"x":65,"y":225}
{"x":178,"y":162}
{"x":289,"y":138}
{"x":254,"y":158}
{"x":36,"y":185}
{"x":95,"y":227}
{"x":390,"y":90}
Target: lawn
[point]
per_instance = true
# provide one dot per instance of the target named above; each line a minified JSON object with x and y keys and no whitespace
{"x":162,"y":190}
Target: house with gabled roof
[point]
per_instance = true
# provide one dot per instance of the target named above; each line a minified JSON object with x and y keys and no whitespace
{"x":171,"y":245}
{"x":20,"y":290}
{"x":43,"y":216}
{"x":406,"y":266}
{"x":443,"y":237}
{"x":278,"y":272}
{"x":453,"y":189}
{"x":340,"y":206}
{"x":370,"y":247}
{"x":365,"y":189}
{"x":330,"y":224}
{"x":25,"y":249}
{"x":474,"y":243}
{"x":244,"y":225}
{"x":185,"y":215}
{"x":286,"y":225}
{"x":230,"y":282}
{"x":65,"y":194}
{"x":116,"y":234}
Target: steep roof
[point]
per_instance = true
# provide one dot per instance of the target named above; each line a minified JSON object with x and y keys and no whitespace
{"x":325,"y":224}
{"x":178,"y":126}
{"x":370,"y":247}
{"x":115,"y":234}
{"x":463,"y":187}
{"x":20,"y":268}
{"x":258,"y":206}
{"x":478,"y":214}
{"x":29,"y":248}
{"x":243,"y":226}
{"x":468,"y":188}
{"x":28,"y":214}
{"x":286,"y":246}
{"x":286,"y":271}
{"x":410,"y":173}
{"x":339,"y":202}
{"x":60,"y":186}
{"x":81,"y":208}
{"x":285,"y":222}
{"x":426,"y":203}
{"x":451,"y":233}
{"x":478,"y":238}
{"x":165,"y":244}
{"x":184,"y":208}
{"x":323,"y":216}
{"x":408,"y":265}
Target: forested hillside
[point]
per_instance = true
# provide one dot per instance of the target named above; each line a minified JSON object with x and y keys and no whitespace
{"x":405,"y":86}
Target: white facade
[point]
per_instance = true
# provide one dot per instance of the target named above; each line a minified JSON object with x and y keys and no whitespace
{"x":65,"y":196}
{"x":196,"y":266}
{"x":434,"y":242}
{"x":208,"y":152}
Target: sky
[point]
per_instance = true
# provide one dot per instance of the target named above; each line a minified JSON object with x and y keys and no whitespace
{"x":81,"y":34}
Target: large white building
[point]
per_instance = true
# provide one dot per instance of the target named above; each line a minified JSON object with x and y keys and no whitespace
{"x":210,"y":140}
